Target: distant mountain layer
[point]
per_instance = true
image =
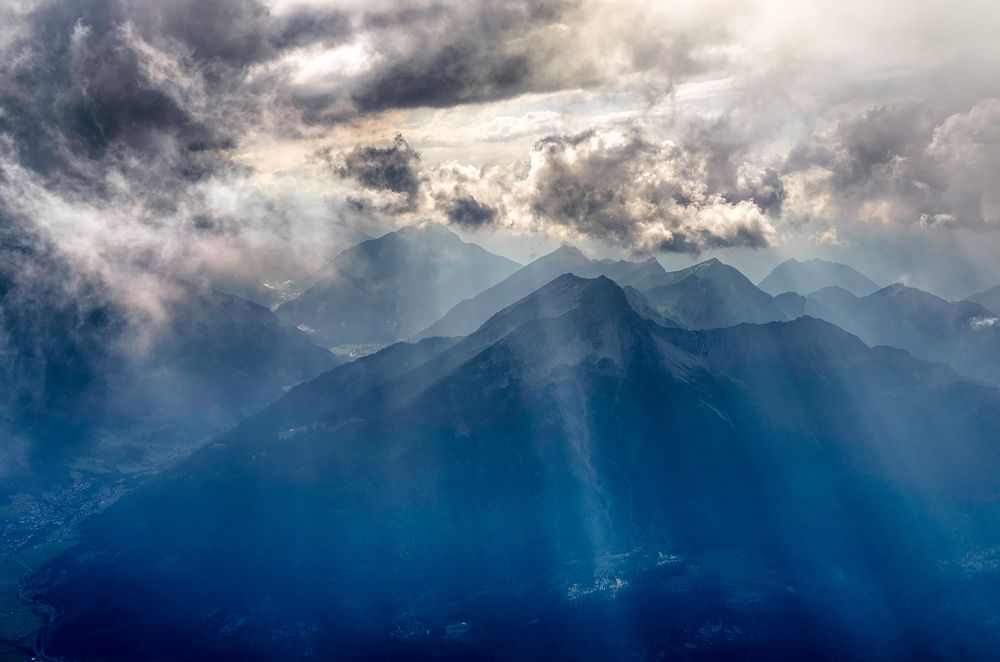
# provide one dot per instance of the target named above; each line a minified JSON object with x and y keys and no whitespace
{"x":962,"y":334}
{"x":388,"y":288}
{"x":573,"y":481}
{"x":710,"y":295}
{"x":812,"y":275}
{"x":990,"y":299}
{"x":469,"y":314}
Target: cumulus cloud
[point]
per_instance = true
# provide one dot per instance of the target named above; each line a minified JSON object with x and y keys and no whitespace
{"x":123,"y":123}
{"x":469,"y":212}
{"x":646,"y":195}
{"x":903,"y":163}
{"x":391,"y":170}
{"x":133,"y":126}
{"x":618,"y":186}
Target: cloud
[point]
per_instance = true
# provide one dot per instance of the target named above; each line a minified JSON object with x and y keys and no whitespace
{"x":617,"y":186}
{"x":131,"y":114}
{"x":905,"y":164}
{"x":133,"y":127}
{"x":383,"y":169}
{"x":469,"y":212}
{"x":978,"y":323}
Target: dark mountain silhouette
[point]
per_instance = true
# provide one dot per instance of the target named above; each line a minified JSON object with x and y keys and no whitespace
{"x":712,"y":294}
{"x":571,"y":480}
{"x":962,"y":334}
{"x":810,"y":275}
{"x":388,"y":288}
{"x":466,"y":316}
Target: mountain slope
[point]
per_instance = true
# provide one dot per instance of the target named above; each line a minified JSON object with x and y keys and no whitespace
{"x":466,"y":316}
{"x":990,"y":299}
{"x":712,"y":294}
{"x":962,"y":334}
{"x":571,"y":480}
{"x":85,"y":375}
{"x":810,"y":275}
{"x":388,"y":288}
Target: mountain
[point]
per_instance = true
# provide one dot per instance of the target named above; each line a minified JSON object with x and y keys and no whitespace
{"x":962,"y":334}
{"x":468,"y":315}
{"x":570,"y":481}
{"x":84,"y":375}
{"x":811,"y":275}
{"x":793,"y":306}
{"x":990,"y":299}
{"x":712,"y":294}
{"x":388,"y":288}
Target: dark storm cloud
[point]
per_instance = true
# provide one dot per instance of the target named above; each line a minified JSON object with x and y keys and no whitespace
{"x":393,"y":168}
{"x":458,"y":73}
{"x":92,"y":83}
{"x":77,"y":90}
{"x":470,"y":213}
{"x":179,"y":82}
{"x":172,"y":79}
{"x":118,"y":121}
{"x":492,"y":52}
{"x":442,"y":54}
{"x":236,"y":33}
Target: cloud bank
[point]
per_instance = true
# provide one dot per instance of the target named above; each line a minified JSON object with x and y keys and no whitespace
{"x":247,"y":141}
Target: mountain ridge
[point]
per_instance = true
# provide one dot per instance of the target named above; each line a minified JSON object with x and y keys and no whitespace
{"x":387,"y":288}
{"x":808,"y":276}
{"x":567,"y":444}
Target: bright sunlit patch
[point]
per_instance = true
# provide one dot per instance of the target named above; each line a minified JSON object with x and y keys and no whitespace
{"x":341,"y":62}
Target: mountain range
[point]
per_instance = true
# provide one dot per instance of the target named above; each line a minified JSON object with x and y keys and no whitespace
{"x":962,"y":334}
{"x":585,"y":459}
{"x":388,"y":288}
{"x":469,"y":314}
{"x":571,"y":480}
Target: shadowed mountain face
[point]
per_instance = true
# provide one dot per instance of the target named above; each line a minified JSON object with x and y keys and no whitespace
{"x":466,"y":317}
{"x":388,"y":288}
{"x":963,"y":334}
{"x":712,"y":294}
{"x":811,"y":275}
{"x":990,"y":299}
{"x":571,"y":480}
{"x":77,"y":369}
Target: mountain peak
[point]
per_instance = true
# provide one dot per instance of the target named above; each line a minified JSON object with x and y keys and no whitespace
{"x":901,"y":289}
{"x":422,"y":231}
{"x":387,"y":288}
{"x":600,"y":297}
{"x":567,"y":251}
{"x":807,"y":276}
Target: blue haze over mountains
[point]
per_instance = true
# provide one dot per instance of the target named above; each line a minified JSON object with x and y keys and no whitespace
{"x":577,"y":458}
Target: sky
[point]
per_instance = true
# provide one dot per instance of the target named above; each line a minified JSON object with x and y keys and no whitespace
{"x":246,"y":139}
